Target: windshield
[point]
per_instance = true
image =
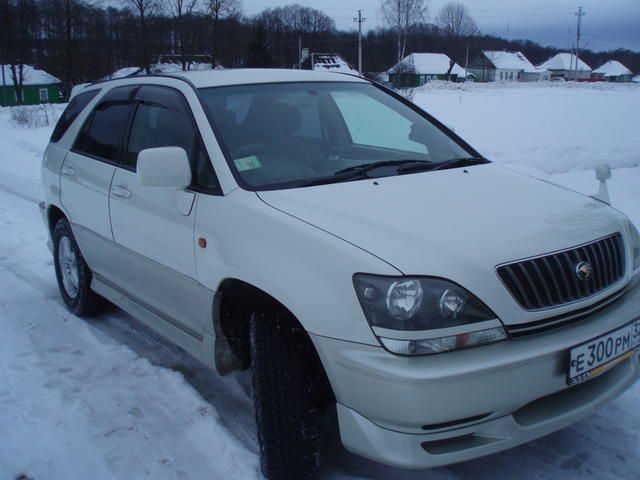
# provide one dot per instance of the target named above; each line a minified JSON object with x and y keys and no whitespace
{"x":296,"y":134}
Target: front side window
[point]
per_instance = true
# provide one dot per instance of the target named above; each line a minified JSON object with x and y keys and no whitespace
{"x":44,"y":95}
{"x":162,"y":119}
{"x":296,"y":134}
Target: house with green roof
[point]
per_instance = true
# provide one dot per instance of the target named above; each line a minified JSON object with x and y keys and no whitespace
{"x":38,"y":86}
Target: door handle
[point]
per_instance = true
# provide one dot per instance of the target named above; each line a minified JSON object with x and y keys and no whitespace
{"x":120,"y":191}
{"x":68,"y":171}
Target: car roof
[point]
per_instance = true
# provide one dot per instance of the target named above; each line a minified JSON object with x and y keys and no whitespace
{"x":247,"y":76}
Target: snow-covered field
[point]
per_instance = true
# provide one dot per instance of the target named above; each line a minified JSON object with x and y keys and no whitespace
{"x":106,"y":398}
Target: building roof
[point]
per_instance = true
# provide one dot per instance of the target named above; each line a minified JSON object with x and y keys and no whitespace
{"x":565,"y":61}
{"x":331,"y":62}
{"x":125,"y":72}
{"x":612,"y":68}
{"x":508,"y":60}
{"x":428,"y":64}
{"x":31,"y":76}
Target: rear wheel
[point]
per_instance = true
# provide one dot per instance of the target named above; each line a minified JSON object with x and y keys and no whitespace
{"x":285,"y":398}
{"x":72,"y":272}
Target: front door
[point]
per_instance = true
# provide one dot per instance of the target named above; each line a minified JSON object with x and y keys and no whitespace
{"x":154,"y":226}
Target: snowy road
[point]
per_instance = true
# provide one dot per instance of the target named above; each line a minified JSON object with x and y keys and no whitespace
{"x":106,"y":398}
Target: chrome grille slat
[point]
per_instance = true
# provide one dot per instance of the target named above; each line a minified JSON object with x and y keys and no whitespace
{"x":610,"y":265}
{"x":552,"y":280}
{"x":547,"y":293}
{"x":556,"y":285}
{"x":532,"y":286}
{"x":605,"y":269}
{"x":599,"y":281}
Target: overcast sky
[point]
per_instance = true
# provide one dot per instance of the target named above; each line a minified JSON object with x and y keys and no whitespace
{"x":609,"y":24}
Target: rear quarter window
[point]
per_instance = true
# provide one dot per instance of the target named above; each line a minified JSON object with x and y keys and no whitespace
{"x":75,"y":107}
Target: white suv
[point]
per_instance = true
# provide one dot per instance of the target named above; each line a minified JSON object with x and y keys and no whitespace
{"x":353,"y":252}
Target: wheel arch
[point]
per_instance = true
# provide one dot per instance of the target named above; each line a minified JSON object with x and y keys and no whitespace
{"x":234,"y":303}
{"x":54,"y":214}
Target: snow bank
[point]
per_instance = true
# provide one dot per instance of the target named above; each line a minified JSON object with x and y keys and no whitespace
{"x":554,"y":127}
{"x":35,"y":116}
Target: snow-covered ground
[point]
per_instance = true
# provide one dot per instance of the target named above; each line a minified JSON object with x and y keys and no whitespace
{"x":106,"y":398}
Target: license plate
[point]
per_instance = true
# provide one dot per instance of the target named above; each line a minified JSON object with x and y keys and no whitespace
{"x":600,"y":354}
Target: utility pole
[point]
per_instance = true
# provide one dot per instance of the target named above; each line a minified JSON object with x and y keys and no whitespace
{"x":466,"y":65}
{"x":580,"y":13}
{"x":359,"y":21}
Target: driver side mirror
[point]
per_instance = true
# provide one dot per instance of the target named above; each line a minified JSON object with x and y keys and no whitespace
{"x":164,"y":167}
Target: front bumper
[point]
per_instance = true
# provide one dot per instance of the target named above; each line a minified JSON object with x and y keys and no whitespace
{"x":424,"y":412}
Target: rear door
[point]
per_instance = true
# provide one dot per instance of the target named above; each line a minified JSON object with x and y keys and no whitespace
{"x":87,"y":173}
{"x":154,"y":226}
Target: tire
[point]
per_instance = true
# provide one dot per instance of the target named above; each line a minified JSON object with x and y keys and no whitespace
{"x":72,"y":272}
{"x":285,"y":398}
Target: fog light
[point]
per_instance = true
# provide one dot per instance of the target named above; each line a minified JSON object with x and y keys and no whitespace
{"x":444,"y":344}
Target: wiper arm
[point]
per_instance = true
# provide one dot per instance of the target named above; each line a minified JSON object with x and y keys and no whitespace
{"x":371,"y":166}
{"x":454,"y":163}
{"x":359,"y":172}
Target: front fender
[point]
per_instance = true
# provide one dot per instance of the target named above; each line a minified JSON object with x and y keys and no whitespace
{"x":306,"y":269}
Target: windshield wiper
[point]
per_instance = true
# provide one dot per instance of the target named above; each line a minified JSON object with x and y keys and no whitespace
{"x":404,"y":166}
{"x":367,"y":167}
{"x":358,"y":172}
{"x":453,"y":163}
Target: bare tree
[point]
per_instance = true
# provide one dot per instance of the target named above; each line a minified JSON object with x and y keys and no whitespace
{"x":144,"y":9}
{"x":454,"y":19}
{"x":401,"y":15}
{"x":219,"y":10}
{"x":179,"y":10}
{"x":16,"y":72}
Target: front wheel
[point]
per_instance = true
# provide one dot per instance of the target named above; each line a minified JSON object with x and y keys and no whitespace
{"x":285,"y":399}
{"x":72,"y":272}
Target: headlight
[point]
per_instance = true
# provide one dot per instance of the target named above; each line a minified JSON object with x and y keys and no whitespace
{"x":425,"y":304}
{"x":635,"y":247}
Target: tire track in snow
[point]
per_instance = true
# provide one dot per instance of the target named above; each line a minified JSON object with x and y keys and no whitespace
{"x":16,"y":193}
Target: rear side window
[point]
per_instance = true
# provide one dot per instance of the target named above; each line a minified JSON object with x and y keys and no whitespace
{"x":75,"y":107}
{"x":102,"y":134}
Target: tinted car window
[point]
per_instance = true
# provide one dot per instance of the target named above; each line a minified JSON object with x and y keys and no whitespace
{"x":155,"y":125}
{"x":102,"y":134}
{"x":163,"y":119}
{"x":75,"y":107}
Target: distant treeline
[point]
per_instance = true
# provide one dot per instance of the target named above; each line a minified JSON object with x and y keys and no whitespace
{"x":79,"y":40}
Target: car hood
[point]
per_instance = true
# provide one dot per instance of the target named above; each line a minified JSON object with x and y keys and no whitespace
{"x":457,"y":224}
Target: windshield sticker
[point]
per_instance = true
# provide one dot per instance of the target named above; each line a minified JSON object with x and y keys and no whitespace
{"x":247,"y":163}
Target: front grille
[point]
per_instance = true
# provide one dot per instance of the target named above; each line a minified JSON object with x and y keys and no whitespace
{"x":552,"y":280}
{"x":541,"y":326}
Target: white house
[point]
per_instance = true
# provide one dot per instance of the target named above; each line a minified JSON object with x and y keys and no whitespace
{"x":419,"y":68}
{"x":567,"y":66}
{"x":612,"y":71}
{"x":492,"y":66}
{"x":331,"y":62}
